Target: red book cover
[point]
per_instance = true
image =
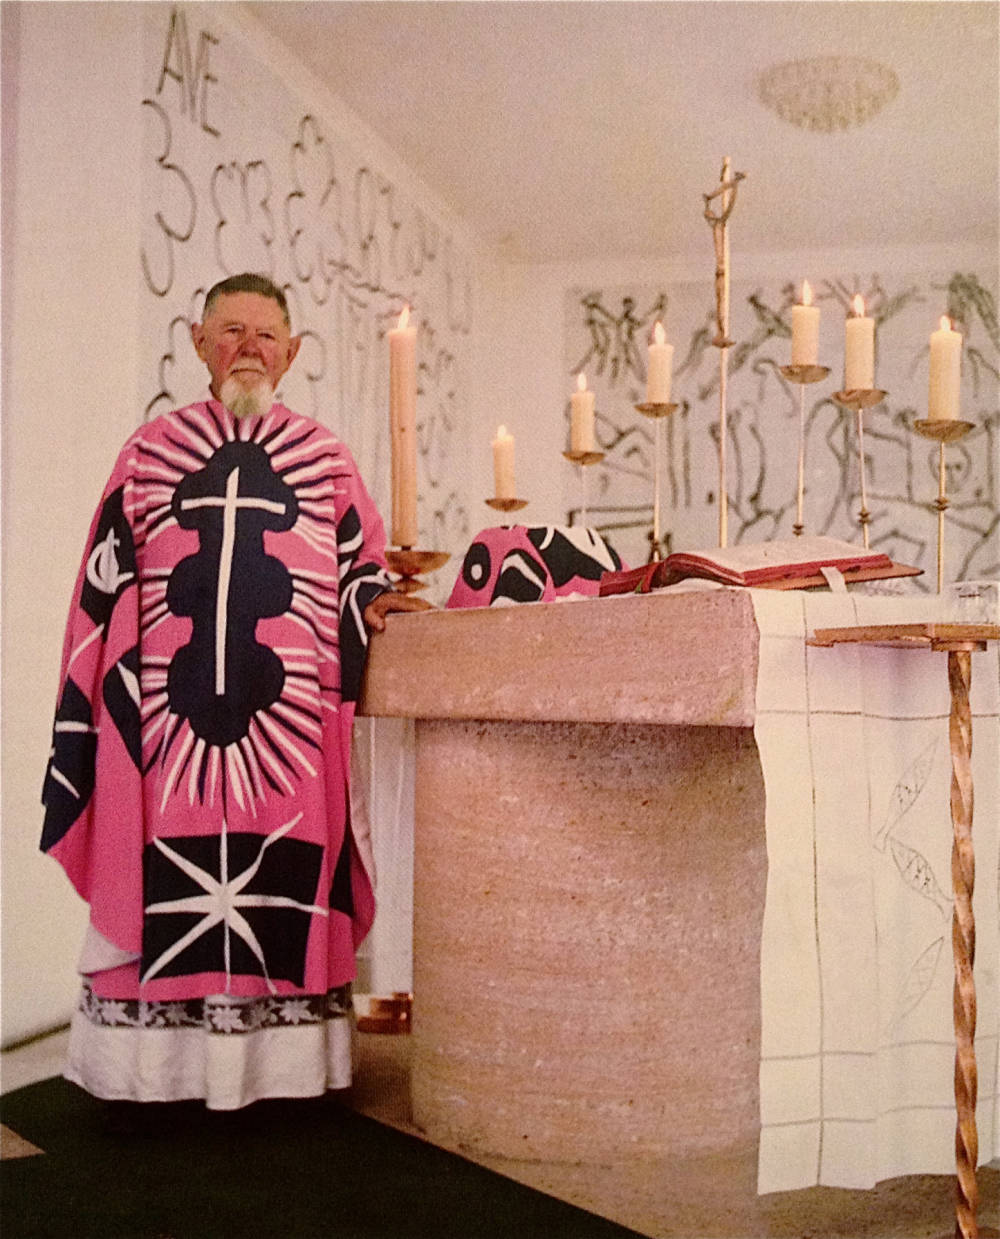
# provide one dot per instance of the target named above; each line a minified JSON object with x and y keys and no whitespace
{"x":796,"y":561}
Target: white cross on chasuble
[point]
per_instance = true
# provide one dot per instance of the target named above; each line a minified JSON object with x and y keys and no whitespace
{"x":230,"y":504}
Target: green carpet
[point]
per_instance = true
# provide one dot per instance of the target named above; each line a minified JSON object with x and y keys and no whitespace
{"x":278,"y":1169}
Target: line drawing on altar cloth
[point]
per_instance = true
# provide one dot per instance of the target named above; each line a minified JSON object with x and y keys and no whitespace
{"x":917,"y":874}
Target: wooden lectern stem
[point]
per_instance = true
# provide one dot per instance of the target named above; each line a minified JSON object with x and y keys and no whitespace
{"x":963,"y":933}
{"x":959,"y":640}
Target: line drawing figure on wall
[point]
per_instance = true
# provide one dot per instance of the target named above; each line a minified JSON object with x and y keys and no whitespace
{"x":312,"y":215}
{"x":436,"y":425}
{"x":177,"y":368}
{"x":192,"y":74}
{"x":244,"y":229}
{"x":413,"y":239}
{"x":458,"y":289}
{"x":901,"y":465}
{"x":157,"y":282}
{"x":178,"y":330}
{"x":366,"y":243}
{"x":613,"y":343}
{"x":245,"y":175}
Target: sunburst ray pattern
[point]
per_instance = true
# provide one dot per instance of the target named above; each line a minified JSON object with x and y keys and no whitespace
{"x":276,"y":744}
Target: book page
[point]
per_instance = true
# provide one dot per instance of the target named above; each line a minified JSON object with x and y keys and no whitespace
{"x":749,"y":556}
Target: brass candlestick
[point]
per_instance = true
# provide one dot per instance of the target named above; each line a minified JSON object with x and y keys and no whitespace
{"x":657,"y":411}
{"x":410,"y":564}
{"x":388,"y":1015}
{"x":944,"y":430}
{"x":502,"y":504}
{"x":583,"y":459}
{"x":859,"y":399}
{"x":803,"y":375}
{"x":960,"y":641}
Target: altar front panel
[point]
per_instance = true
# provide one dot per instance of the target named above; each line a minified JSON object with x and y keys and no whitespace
{"x":588,"y":904}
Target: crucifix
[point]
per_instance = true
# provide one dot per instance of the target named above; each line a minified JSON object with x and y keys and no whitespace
{"x":726,"y":192}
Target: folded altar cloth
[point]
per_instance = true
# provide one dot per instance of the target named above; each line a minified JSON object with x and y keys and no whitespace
{"x":857,"y":1044}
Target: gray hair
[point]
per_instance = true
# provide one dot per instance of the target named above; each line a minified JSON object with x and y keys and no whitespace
{"x":248,"y":282}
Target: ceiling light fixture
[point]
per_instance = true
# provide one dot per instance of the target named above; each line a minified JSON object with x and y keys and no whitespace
{"x":826,"y":93}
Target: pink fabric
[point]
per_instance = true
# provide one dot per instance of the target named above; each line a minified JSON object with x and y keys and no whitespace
{"x":512,"y":564}
{"x":209,"y":827}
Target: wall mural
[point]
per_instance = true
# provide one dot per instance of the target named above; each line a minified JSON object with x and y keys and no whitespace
{"x":607,"y":331}
{"x":237,"y":176}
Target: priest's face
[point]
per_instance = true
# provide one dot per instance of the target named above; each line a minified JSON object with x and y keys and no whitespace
{"x":247,"y":346}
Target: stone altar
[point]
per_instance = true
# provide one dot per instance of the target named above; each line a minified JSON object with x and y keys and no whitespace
{"x":589,"y":874}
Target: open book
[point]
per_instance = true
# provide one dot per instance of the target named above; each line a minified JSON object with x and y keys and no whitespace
{"x":791,"y":564}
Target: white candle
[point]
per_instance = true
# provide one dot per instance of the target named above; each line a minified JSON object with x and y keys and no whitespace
{"x":403,"y":428}
{"x":581,"y":426}
{"x":859,"y":349}
{"x":503,"y":465}
{"x":805,"y":329}
{"x":658,"y":371}
{"x":945,"y":372}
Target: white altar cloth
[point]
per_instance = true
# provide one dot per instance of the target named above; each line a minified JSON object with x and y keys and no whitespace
{"x":857,"y":1050}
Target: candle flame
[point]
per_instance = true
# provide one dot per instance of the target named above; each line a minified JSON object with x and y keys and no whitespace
{"x":858,"y":305}
{"x":946,"y":323}
{"x":404,"y":318}
{"x":807,"y":293}
{"x":581,"y":381}
{"x":501,"y":432}
{"x":659,"y":335}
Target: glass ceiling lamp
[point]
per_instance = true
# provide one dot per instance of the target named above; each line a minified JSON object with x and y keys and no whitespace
{"x":827,"y":93}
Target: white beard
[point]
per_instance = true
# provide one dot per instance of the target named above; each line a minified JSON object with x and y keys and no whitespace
{"x":244,"y":401}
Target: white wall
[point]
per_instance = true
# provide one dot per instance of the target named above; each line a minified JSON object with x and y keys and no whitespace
{"x":533,"y":383}
{"x":73,"y":185}
{"x":69,"y":396}
{"x":80,"y":181}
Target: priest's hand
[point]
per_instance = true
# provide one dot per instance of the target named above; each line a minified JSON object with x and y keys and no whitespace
{"x":376,"y":611}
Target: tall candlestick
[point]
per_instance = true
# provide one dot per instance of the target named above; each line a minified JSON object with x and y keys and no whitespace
{"x":658,"y":371}
{"x":945,"y":373}
{"x":503,"y":465}
{"x":805,"y":329}
{"x":403,"y":427}
{"x":581,"y":431}
{"x":859,"y":349}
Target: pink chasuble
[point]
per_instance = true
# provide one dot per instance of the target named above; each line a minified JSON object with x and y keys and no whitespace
{"x":197,"y":792}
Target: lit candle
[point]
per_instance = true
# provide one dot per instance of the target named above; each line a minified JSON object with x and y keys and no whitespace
{"x":805,"y":329}
{"x":403,"y":428}
{"x":945,"y":373}
{"x":503,"y":465}
{"x":581,"y":427}
{"x":661,"y":360}
{"x":859,"y":349}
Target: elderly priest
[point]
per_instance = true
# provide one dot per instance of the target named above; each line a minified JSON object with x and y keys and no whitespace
{"x":197,"y":792}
